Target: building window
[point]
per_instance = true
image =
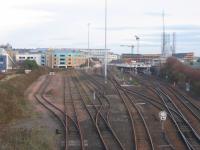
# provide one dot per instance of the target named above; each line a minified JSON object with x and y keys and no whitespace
{"x":21,"y":57}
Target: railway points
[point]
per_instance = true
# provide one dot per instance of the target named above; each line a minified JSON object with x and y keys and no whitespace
{"x":120,"y":117}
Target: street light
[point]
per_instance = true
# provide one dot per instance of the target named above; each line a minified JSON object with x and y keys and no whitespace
{"x":138,"y":43}
{"x":88,"y":45}
{"x":138,"y":47}
{"x":106,"y":52}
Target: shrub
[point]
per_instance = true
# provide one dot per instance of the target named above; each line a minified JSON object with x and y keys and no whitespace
{"x":178,"y":72}
{"x":30,"y":64}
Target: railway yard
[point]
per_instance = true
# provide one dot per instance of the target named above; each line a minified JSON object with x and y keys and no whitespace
{"x":119,"y":115}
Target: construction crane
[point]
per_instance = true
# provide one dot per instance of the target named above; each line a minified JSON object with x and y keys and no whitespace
{"x":131,"y":46}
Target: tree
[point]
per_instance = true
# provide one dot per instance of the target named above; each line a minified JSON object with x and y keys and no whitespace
{"x":178,"y":72}
{"x":30,"y":64}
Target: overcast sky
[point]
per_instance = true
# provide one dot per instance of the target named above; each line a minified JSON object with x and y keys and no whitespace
{"x":63,"y":23}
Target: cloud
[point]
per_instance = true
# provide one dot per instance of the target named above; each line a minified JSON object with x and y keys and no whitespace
{"x":60,"y":39}
{"x":63,"y":23}
{"x":183,"y":27}
{"x":156,"y":14}
{"x":175,"y":27}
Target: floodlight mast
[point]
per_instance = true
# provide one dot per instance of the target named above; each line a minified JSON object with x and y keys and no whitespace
{"x":164,"y":35}
{"x":138,"y":43}
{"x":88,"y":45}
{"x":106,"y":51}
{"x":138,"y":47}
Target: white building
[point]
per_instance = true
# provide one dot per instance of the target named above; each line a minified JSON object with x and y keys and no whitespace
{"x":112,"y":56}
{"x":100,"y":54}
{"x":95,"y":53}
{"x":20,"y":57}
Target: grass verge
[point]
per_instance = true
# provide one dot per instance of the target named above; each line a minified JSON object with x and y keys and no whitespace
{"x":27,"y":139}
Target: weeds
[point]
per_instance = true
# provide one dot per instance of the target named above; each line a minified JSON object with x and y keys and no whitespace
{"x":27,"y":139}
{"x":13,"y":105}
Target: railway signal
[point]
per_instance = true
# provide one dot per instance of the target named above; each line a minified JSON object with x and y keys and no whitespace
{"x":187,"y":87}
{"x":163,"y":118}
{"x":51,"y":73}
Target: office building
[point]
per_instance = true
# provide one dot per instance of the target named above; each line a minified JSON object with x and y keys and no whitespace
{"x":6,"y":62}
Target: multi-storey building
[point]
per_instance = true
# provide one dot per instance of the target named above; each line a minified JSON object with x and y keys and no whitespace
{"x":6,"y":62}
{"x":64,"y":58}
{"x":20,"y":57}
{"x":43,"y":59}
{"x":96,"y":53}
{"x":184,"y":57}
{"x":145,"y":58}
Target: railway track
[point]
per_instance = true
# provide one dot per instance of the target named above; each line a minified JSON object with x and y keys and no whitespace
{"x":99,"y":85}
{"x":62,"y":117}
{"x":156,"y":104}
{"x":193,"y":108}
{"x":188,"y":133}
{"x":99,"y":117}
{"x":74,"y":132}
{"x":78,"y":102}
{"x":188,"y":103}
{"x":143,"y":139}
{"x":55,"y":111}
{"x":181,"y":101}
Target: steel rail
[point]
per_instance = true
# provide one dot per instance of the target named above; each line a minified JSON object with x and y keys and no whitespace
{"x":99,"y":113}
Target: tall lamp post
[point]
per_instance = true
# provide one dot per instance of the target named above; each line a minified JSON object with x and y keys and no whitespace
{"x":138,"y":47}
{"x":138,"y":43}
{"x":88,"y":45}
{"x":106,"y":52}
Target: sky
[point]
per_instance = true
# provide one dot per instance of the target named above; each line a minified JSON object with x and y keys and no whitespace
{"x":64,"y":23}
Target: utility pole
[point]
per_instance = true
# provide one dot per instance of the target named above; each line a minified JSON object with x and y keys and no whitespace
{"x":163,"y":42}
{"x":138,"y":43}
{"x":138,"y":47}
{"x":174,"y":43}
{"x":106,"y":52}
{"x":88,"y":45}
